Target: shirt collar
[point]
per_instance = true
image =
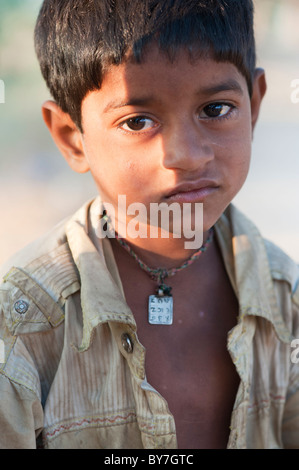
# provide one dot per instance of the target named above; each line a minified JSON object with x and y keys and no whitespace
{"x":101,"y":298}
{"x":245,"y":256}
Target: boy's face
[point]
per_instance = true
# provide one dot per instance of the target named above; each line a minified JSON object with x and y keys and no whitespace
{"x":169,"y":132}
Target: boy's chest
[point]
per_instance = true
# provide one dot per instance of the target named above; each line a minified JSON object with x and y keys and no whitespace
{"x":188,"y":362}
{"x":189,"y":365}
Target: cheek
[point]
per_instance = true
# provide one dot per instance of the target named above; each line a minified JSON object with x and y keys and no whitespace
{"x":235,"y":163}
{"x":117,"y":176}
{"x":129,"y":168}
{"x":137,"y":171}
{"x":241,"y":146}
{"x":239,"y":168}
{"x":243,"y":157}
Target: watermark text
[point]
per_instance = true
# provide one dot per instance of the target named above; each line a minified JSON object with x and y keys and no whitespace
{"x":150,"y":459}
{"x":157,"y":220}
{"x":295,"y":352}
{"x":295,"y":93}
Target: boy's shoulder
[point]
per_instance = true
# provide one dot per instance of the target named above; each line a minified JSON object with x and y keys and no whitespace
{"x":281,"y":266}
{"x":36,"y":281}
{"x":40,"y":247}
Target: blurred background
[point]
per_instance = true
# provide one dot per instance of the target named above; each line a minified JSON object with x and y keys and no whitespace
{"x":37,"y":188}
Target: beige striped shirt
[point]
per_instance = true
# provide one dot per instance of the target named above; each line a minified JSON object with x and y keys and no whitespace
{"x":73,"y":374}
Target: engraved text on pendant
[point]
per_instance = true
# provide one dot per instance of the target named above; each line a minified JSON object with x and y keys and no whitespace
{"x":160,"y":310}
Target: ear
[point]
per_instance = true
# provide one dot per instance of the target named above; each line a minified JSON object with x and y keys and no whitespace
{"x":259,"y":88}
{"x":66,"y":135}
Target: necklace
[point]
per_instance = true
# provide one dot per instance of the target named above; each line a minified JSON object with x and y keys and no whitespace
{"x":160,"y":305}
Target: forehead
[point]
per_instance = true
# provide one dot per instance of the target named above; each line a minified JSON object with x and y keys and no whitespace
{"x":158,"y":78}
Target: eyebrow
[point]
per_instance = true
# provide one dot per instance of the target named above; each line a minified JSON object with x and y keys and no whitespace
{"x":229,"y":85}
{"x":130,"y":102}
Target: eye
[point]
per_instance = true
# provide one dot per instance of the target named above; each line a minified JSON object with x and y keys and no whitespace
{"x":216,"y":110}
{"x":137,"y":124}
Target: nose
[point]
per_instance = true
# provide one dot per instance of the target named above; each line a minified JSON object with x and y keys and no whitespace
{"x":186,"y":147}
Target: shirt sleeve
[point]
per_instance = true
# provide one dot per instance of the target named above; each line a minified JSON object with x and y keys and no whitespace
{"x":21,"y":412}
{"x":290,"y":425}
{"x":21,"y":416}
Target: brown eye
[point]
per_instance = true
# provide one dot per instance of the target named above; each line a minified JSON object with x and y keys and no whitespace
{"x":216,"y":110}
{"x":137,"y":124}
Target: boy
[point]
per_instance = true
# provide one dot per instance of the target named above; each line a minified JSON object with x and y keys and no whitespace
{"x":158,"y":99}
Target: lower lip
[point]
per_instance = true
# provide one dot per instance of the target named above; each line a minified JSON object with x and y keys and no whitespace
{"x":197,"y":195}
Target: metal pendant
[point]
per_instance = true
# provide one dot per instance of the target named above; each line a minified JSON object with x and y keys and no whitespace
{"x":160,"y":307}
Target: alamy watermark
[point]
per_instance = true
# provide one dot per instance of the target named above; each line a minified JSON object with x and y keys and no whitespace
{"x":2,"y":92}
{"x":295,"y":352}
{"x":295,"y":93}
{"x":159,"y":220}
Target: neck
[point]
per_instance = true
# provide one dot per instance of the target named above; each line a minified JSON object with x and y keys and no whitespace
{"x":162,"y":252}
{"x":156,"y":247}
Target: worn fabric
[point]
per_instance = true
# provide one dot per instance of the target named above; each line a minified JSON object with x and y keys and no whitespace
{"x":73,"y":375}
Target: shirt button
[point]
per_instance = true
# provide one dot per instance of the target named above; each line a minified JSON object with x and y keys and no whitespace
{"x":127,"y":343}
{"x":21,"y":306}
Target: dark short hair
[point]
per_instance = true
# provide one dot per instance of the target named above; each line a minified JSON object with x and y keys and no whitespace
{"x":76,"y":40}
